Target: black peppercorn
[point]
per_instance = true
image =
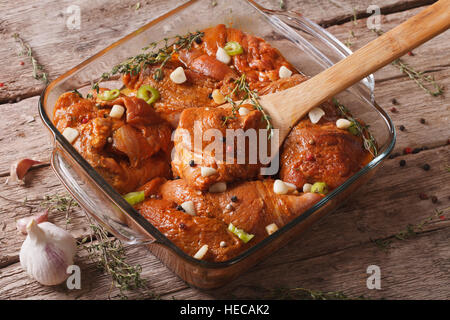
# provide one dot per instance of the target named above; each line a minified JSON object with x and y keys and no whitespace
{"x":198,"y":40}
{"x":423,"y":196}
{"x":192,"y":163}
{"x":180,"y":208}
{"x":402,"y":163}
{"x":402,"y":128}
{"x":434,"y":199}
{"x":426,"y":167}
{"x":234,"y":199}
{"x":422,"y":121}
{"x":394,"y":101}
{"x":416,"y":150}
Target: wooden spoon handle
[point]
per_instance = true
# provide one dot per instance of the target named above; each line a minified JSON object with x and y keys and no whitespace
{"x":294,"y":103}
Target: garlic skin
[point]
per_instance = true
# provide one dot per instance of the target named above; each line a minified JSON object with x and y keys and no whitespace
{"x":22,"y":223}
{"x":47,"y":252}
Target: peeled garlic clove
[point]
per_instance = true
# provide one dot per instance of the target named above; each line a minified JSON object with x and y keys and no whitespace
{"x":47,"y":252}
{"x":22,"y":223}
{"x":279,"y":187}
{"x":315,"y":114}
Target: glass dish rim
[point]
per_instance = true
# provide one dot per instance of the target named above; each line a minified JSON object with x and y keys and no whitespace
{"x":160,"y":238}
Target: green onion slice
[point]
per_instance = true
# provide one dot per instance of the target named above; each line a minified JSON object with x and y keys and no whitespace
{"x":148,"y":94}
{"x":135,"y":197}
{"x":319,"y":187}
{"x":233,"y":48}
{"x":241,"y":234}
{"x":109,"y":95}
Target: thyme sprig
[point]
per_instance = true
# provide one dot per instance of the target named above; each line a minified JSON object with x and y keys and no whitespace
{"x":423,"y":81}
{"x":241,"y":86}
{"x":411,"y":230}
{"x":152,"y":55}
{"x":109,"y":255}
{"x":358,"y":129}
{"x":60,"y":203}
{"x":38,"y":69}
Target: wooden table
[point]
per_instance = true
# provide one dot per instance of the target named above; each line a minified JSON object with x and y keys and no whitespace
{"x":335,"y":253}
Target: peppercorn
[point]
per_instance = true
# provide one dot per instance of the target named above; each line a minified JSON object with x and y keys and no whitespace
{"x":234,"y":199}
{"x":182,"y":226}
{"x":434,"y":199}
{"x":416,"y":150}
{"x":180,"y":208}
{"x":394,"y":109}
{"x":422,"y":121}
{"x":423,"y":196}
{"x":402,"y":128}
{"x":198,"y":40}
{"x":402,"y":163}
{"x":210,"y":96}
{"x":394,"y":155}
{"x":426,"y":167}
{"x":192,"y":163}
{"x":394,"y":101}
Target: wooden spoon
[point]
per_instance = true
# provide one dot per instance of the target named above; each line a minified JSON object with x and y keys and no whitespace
{"x":287,"y":107}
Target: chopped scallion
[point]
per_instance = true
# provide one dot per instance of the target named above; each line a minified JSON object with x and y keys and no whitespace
{"x":319,"y":187}
{"x":233,"y":48}
{"x":147,"y":93}
{"x":135,"y":197}
{"x":241,"y":234}
{"x":109,"y":95}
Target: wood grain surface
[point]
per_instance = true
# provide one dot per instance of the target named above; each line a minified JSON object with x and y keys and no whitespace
{"x":335,"y":253}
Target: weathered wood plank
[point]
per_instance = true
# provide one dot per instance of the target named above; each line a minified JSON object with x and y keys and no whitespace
{"x":402,"y":273}
{"x":43,"y":25}
{"x":431,"y":56}
{"x":391,"y":206}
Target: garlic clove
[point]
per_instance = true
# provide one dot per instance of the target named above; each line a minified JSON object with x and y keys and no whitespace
{"x":316,"y":114}
{"x":22,"y":223}
{"x":47,"y":252}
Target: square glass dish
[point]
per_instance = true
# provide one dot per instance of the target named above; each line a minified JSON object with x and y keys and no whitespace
{"x":308,"y":47}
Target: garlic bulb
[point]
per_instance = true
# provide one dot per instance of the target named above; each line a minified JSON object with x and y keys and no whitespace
{"x":47,"y":252}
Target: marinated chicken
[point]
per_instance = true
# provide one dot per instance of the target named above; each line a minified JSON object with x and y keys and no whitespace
{"x":206,"y":197}
{"x":250,"y":205}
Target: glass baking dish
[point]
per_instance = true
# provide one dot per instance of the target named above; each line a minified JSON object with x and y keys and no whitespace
{"x":304,"y":44}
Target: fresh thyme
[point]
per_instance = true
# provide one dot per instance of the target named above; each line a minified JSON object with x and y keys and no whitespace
{"x":358,"y":129}
{"x":38,"y":69}
{"x":423,"y":81}
{"x":109,"y":255}
{"x":60,"y":203}
{"x":241,"y":86}
{"x":411,"y":230}
{"x":152,"y":56}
